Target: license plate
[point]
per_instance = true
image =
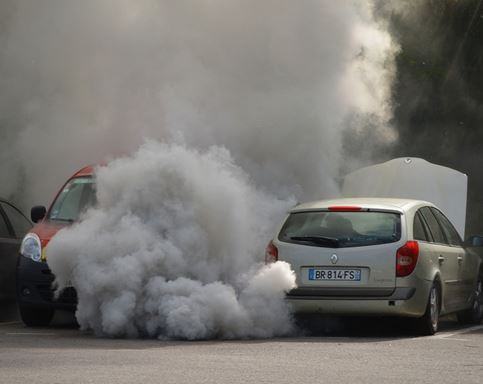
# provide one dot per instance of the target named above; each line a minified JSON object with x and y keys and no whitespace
{"x":335,"y":274}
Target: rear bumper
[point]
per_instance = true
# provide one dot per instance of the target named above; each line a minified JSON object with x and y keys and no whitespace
{"x":403,"y":301}
{"x":34,"y":287}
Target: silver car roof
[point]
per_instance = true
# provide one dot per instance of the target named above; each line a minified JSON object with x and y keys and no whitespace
{"x":389,"y":204}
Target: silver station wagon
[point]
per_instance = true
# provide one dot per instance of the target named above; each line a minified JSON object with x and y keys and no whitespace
{"x":378,"y":256}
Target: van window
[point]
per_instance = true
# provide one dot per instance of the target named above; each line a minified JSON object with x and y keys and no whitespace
{"x":341,"y":229}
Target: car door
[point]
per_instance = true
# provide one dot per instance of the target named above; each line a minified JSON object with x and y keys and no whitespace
{"x":467,"y":262}
{"x":447,"y":258}
{"x":8,"y":249}
{"x":13,"y":226}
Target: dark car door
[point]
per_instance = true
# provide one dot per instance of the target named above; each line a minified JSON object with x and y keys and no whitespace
{"x":13,"y":226}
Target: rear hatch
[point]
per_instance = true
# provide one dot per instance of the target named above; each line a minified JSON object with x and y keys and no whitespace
{"x":342,"y":252}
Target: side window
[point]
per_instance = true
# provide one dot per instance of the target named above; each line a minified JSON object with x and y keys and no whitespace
{"x":4,"y":232}
{"x":448,"y":229}
{"x":18,"y":221}
{"x":433,"y":225}
{"x":419,"y":230}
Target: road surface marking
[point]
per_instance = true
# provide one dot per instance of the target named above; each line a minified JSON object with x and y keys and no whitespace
{"x":446,"y":335}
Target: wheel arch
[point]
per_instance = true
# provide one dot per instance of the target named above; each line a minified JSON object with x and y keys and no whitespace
{"x":439,"y":283}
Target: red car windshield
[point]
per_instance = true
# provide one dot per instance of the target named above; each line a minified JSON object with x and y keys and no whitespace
{"x":77,"y":196}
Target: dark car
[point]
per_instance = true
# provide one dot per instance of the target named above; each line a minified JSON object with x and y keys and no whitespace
{"x":13,"y":227}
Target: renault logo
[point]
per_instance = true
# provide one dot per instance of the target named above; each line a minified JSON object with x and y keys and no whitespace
{"x":334,"y":259}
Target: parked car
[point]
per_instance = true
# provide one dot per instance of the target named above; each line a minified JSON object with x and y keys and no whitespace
{"x":13,"y":227}
{"x":379,"y":256}
{"x":35,"y":294}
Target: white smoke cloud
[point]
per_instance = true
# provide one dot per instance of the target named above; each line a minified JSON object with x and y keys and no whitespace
{"x":255,"y":93}
{"x":85,"y":81}
{"x":174,"y":249}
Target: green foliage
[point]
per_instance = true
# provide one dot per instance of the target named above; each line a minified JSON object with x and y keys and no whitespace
{"x":438,"y":94}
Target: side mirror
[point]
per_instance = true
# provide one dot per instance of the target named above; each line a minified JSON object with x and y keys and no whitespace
{"x":37,"y":213}
{"x":474,"y":241}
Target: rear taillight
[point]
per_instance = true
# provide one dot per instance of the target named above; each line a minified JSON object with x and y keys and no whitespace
{"x":344,"y":208}
{"x":406,"y":258}
{"x":271,"y":253}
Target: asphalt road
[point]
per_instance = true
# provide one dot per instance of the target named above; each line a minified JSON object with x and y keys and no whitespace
{"x":366,"y":351}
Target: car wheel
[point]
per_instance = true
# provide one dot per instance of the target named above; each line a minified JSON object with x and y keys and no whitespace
{"x":474,"y":315}
{"x":428,"y":323}
{"x":33,"y":317}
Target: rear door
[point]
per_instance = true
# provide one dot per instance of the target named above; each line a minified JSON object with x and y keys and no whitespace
{"x":467,"y":262}
{"x":357,"y":257}
{"x":447,"y":257}
{"x":13,"y":226}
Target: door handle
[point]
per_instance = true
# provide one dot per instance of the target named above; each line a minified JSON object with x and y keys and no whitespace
{"x":460,"y":259}
{"x":441,"y":259}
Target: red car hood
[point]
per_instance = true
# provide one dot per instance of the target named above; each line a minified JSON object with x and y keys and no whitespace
{"x":45,"y":230}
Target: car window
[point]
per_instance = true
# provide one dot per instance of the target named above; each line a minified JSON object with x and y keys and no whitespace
{"x":341,"y":229}
{"x":78,"y":195}
{"x":419,"y":230}
{"x":448,"y":229}
{"x":433,"y":225}
{"x":19,"y":222}
{"x":4,"y":232}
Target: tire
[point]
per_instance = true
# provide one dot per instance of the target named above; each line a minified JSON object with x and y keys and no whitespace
{"x":427,"y":325}
{"x":474,"y":315}
{"x":33,"y":317}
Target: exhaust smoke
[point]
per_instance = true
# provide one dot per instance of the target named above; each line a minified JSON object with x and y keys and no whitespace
{"x":274,"y":82}
{"x":241,"y":106}
{"x":173,"y":249}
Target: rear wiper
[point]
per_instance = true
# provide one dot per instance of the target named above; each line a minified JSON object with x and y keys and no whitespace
{"x":319,"y":240}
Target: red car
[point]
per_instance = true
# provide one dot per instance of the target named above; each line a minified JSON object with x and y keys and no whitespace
{"x":35,"y":295}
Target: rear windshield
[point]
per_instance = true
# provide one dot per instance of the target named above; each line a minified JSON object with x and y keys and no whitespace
{"x":78,"y":195}
{"x":341,"y":229}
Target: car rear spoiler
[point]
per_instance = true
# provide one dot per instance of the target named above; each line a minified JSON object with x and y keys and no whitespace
{"x":362,"y":209}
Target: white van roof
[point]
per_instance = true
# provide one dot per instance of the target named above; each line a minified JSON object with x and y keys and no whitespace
{"x":413,"y":178}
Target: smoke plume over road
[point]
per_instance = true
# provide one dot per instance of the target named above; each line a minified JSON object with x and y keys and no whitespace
{"x":86,"y":81}
{"x":172,"y":249}
{"x":242,"y":104}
